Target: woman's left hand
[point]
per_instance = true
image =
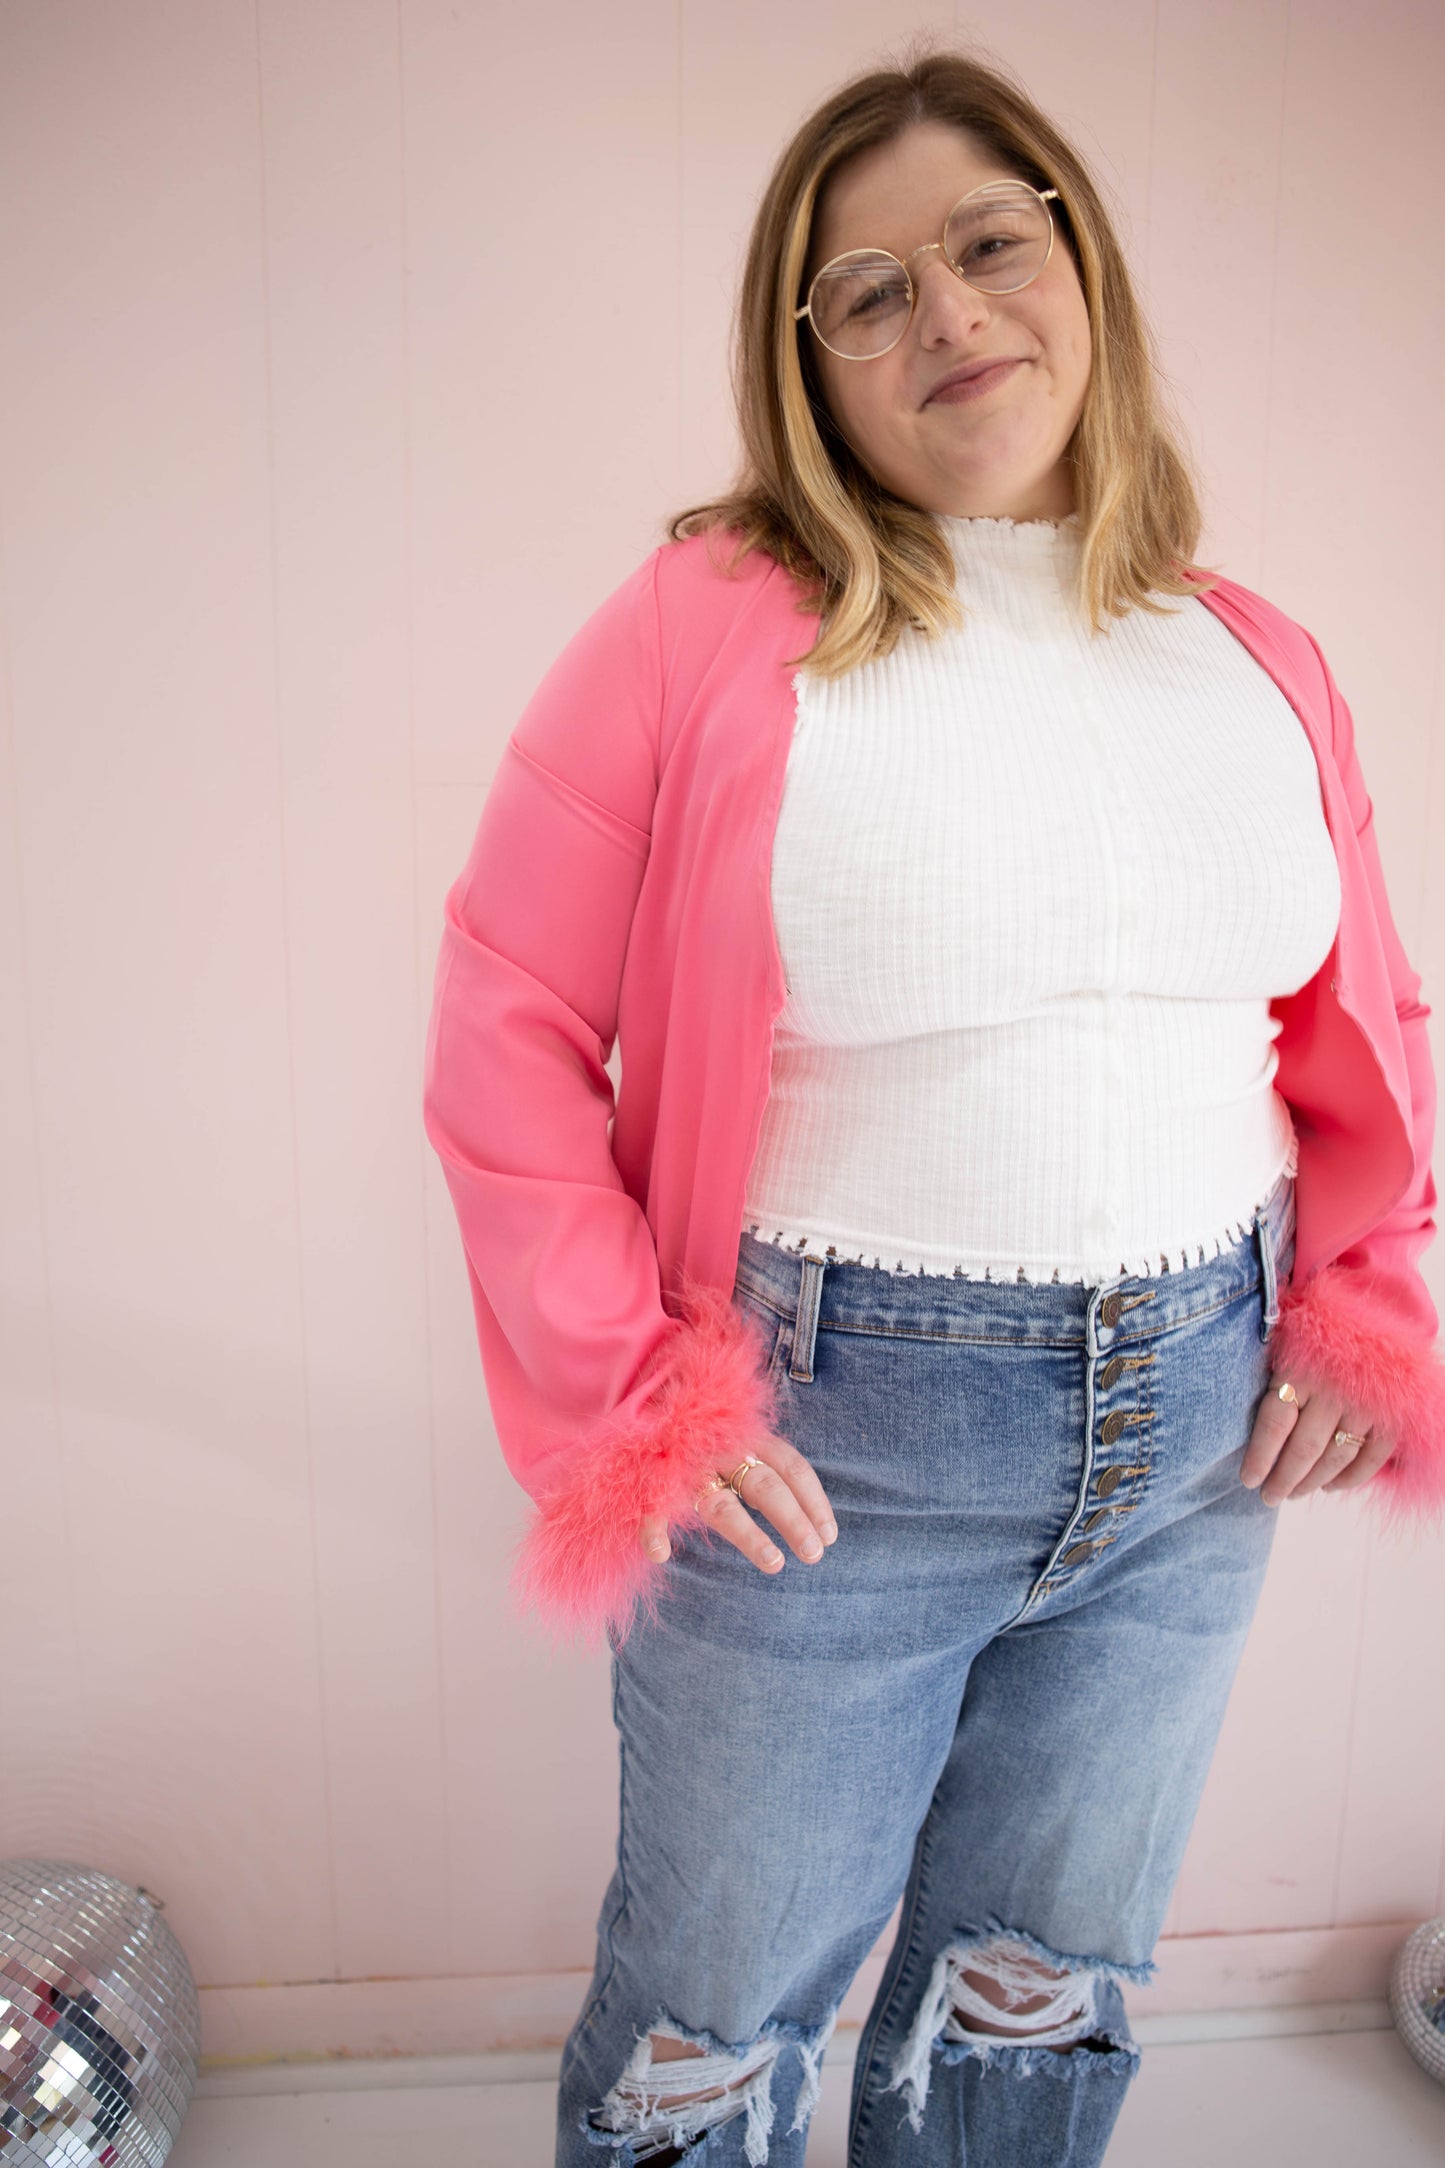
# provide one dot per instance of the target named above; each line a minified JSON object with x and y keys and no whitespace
{"x":1292,"y":1451}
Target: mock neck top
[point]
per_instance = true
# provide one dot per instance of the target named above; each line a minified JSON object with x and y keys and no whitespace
{"x":1034,"y":890}
{"x":996,"y":556}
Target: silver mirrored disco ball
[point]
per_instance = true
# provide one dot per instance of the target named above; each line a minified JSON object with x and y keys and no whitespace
{"x":100,"y":2029}
{"x":1417,"y":1996}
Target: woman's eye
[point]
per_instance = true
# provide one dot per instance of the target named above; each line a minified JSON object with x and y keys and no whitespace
{"x":877,"y":297}
{"x":991,"y":247}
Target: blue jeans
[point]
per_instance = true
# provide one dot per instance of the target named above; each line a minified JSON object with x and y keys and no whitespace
{"x":996,"y":1695}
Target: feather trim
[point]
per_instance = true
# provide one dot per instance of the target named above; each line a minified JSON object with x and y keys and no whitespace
{"x":1342,"y":1331}
{"x":580,"y":1563}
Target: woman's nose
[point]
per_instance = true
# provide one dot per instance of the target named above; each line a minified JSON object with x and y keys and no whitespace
{"x":944,"y":306}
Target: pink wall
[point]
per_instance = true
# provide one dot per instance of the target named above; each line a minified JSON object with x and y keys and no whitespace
{"x":316,"y":442}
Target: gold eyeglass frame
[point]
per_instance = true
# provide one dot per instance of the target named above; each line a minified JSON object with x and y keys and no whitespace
{"x":1043,"y":195}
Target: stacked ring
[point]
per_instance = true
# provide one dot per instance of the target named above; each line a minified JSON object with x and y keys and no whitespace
{"x":733,"y":1482}
{"x":1341,"y":1437}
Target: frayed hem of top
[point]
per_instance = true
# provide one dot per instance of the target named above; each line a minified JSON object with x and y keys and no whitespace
{"x":1137,"y":1267}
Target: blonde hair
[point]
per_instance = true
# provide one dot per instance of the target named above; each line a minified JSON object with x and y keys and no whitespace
{"x":868,"y":562}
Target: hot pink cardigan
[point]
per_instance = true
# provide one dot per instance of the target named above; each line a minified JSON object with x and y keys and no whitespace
{"x":618,"y":890}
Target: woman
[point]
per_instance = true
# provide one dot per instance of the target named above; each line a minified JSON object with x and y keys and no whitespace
{"x":962,"y":1253}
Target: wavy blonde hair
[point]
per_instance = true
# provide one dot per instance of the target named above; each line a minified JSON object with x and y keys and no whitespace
{"x":868,"y":562}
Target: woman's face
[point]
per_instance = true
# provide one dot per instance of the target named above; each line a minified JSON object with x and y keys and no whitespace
{"x":999,"y":453}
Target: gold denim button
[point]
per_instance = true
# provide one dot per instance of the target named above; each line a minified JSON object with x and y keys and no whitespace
{"x":1076,"y":1552}
{"x":1112,"y":1371}
{"x":1101,"y":1514}
{"x":1113,"y":1424}
{"x":1110,"y":1307}
{"x":1109,"y":1481}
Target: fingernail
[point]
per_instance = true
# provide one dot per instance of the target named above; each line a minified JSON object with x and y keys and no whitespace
{"x":772,"y":1558}
{"x":811,"y":1552}
{"x":659,"y":1550}
{"x":828,"y":1531}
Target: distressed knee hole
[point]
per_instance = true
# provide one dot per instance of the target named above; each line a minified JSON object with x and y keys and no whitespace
{"x":1004,"y":1990}
{"x":666,"y":2048}
{"x":661,"y":2113}
{"x":996,"y":1996}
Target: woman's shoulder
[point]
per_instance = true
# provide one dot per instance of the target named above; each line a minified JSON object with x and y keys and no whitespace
{"x":1268,"y":628}
{"x":652,"y":641}
{"x":710,"y":570}
{"x":691,"y":592}
{"x":711,"y":595}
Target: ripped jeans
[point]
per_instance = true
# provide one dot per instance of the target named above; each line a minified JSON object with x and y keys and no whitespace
{"x":997,"y":1696}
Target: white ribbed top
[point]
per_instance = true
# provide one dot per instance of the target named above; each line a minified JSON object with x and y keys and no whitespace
{"x":1034,"y":893}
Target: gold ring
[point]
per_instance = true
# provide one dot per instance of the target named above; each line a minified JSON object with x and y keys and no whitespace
{"x":1346,"y":1437}
{"x":706,"y":1491}
{"x":1287,"y":1392}
{"x":739,"y":1475}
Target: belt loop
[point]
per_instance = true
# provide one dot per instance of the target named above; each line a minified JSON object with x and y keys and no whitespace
{"x":1270,"y":1316}
{"x":805,"y":1325}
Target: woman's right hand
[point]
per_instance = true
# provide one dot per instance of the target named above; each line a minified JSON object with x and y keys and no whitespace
{"x":784,"y":1488}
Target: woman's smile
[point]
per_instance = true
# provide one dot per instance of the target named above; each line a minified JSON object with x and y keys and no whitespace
{"x":974,"y":387}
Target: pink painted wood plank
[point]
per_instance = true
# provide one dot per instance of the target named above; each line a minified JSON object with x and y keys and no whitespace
{"x":332,"y":132}
{"x":542,"y":266}
{"x":138,"y":592}
{"x":1388,"y":1865}
{"x":1211,"y":290}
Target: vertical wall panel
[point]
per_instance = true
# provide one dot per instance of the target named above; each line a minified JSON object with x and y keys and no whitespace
{"x":1388,"y":1855}
{"x":1356,"y":543}
{"x":1212,"y":256}
{"x":134,"y":471}
{"x":541,"y":274}
{"x":542,"y":160}
{"x":330,"y":163}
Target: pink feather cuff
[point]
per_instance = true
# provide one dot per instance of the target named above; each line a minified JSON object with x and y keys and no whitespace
{"x":1341,"y":1331}
{"x":580,"y":1564}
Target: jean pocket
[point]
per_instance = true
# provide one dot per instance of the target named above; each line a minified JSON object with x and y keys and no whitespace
{"x":768,"y":1327}
{"x":1284,"y":1256}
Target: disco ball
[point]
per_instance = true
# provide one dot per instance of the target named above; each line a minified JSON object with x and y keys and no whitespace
{"x":1417,"y":1996}
{"x":100,"y":2028}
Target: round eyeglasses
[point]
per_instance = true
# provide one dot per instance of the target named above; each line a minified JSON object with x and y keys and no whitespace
{"x":997,"y":238}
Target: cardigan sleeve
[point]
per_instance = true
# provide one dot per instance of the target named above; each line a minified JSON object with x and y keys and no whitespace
{"x":1364,"y":1326}
{"x":607,"y":1407}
